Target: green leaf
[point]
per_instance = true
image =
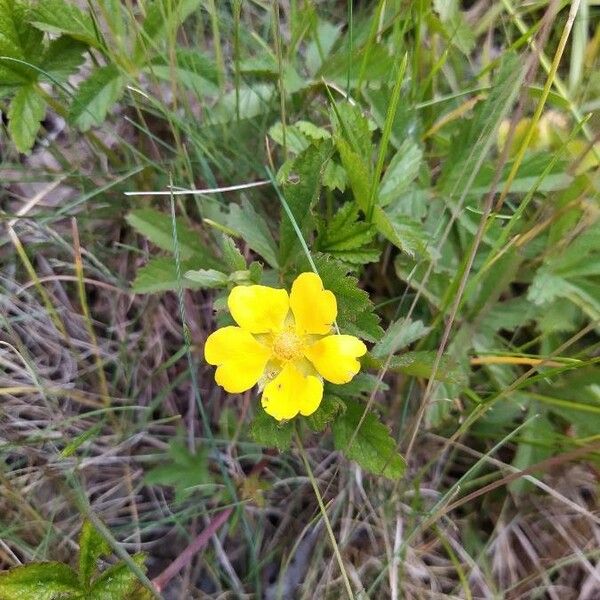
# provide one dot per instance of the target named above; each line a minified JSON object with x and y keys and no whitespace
{"x":92,"y":546}
{"x":334,"y":176}
{"x":253,"y":230}
{"x":420,"y":364}
{"x":401,"y":172}
{"x":371,"y":445}
{"x":355,"y":309}
{"x":267,"y":431}
{"x":95,"y":96}
{"x":232,"y":257}
{"x":402,"y":231}
{"x":62,"y":58}
{"x":157,"y":226}
{"x":300,"y":188}
{"x":358,"y":172}
{"x":39,"y":581}
{"x":295,"y":140}
{"x":399,"y":334}
{"x":25,"y":114}
{"x":182,"y":471}
{"x":63,"y":17}
{"x":208,"y":278}
{"x":317,"y":51}
{"x":117,"y":582}
{"x":329,"y":408}
{"x":191,"y":68}
{"x":160,"y":275}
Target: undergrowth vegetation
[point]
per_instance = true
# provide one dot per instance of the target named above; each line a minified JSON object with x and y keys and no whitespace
{"x":435,"y":163}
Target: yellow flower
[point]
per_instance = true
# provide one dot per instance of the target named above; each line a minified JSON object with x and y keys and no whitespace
{"x":284,"y":343}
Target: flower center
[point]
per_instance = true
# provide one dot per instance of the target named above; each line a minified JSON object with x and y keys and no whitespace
{"x":287,"y":345}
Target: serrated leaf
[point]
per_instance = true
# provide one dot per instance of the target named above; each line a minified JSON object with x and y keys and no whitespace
{"x":39,"y":581}
{"x":267,"y":431}
{"x":232,"y":257}
{"x":27,"y":109}
{"x":157,"y":226}
{"x":358,"y":172}
{"x":355,"y":309}
{"x":352,"y":126}
{"x":420,"y":364}
{"x":345,"y":231}
{"x":301,"y":189}
{"x":92,"y":546}
{"x":334,"y":176}
{"x":117,"y":581}
{"x":208,"y":278}
{"x":399,"y":334}
{"x":371,"y":445}
{"x":402,"y":231}
{"x":96,"y":96}
{"x":160,"y":275}
{"x":295,"y":140}
{"x":329,"y":408}
{"x":253,"y":230}
{"x":62,"y":58}
{"x":63,"y":17}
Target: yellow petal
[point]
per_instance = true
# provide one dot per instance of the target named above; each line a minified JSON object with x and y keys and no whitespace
{"x":292,"y":392}
{"x":239,"y":357}
{"x":335,"y":357}
{"x":258,"y":308}
{"x":314,"y":308}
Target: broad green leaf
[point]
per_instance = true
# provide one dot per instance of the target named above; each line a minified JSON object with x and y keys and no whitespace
{"x":402,"y":231}
{"x":96,"y":96}
{"x":65,"y":17}
{"x":328,"y":410}
{"x":253,"y":229}
{"x":62,"y":58}
{"x":193,"y":69}
{"x":27,"y":109}
{"x":267,"y":431}
{"x":182,"y":471}
{"x":157,"y":226}
{"x":117,"y":581}
{"x":208,"y":278}
{"x":371,"y":445}
{"x":92,"y":546}
{"x":160,"y":275}
{"x":39,"y":581}
{"x":400,"y":334}
{"x":300,"y":188}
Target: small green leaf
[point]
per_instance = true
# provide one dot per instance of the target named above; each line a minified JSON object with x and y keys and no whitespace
{"x":208,"y":278}
{"x":334,"y":176}
{"x":92,"y":546}
{"x":96,"y":96}
{"x":39,"y":581}
{"x":232,"y":257}
{"x":157,"y":226}
{"x":295,"y":140}
{"x":401,"y":172}
{"x":328,"y":410}
{"x":405,"y":233}
{"x":253,"y":230}
{"x":358,"y":172}
{"x":371,"y":445}
{"x":62,"y":17}
{"x":25,"y":114}
{"x":117,"y":582}
{"x":191,"y":68}
{"x":421,"y":363}
{"x":62,"y":58}
{"x":160,"y":275}
{"x":400,"y":334}
{"x":267,"y":431}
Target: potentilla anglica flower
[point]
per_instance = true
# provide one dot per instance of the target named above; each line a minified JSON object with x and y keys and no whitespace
{"x":286,"y":344}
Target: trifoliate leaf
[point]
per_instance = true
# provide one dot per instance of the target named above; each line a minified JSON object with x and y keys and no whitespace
{"x":27,"y":109}
{"x":267,"y":431}
{"x":96,"y":96}
{"x":370,"y":445}
{"x":328,"y":410}
{"x":39,"y":581}
{"x":92,"y":546}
